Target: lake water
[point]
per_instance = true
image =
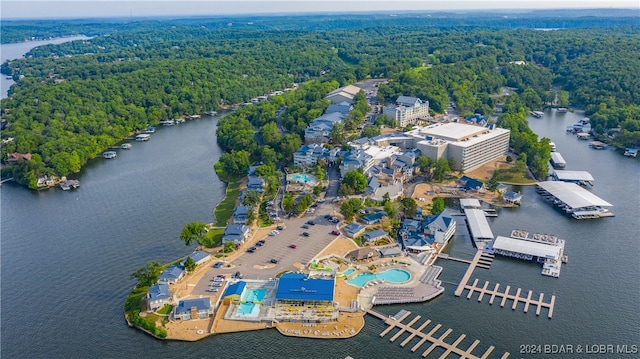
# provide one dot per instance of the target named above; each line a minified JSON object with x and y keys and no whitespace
{"x":66,"y":259}
{"x":17,"y":50}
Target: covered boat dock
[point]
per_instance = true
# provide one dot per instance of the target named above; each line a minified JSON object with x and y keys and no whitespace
{"x":574,"y":200}
{"x":477,"y":222}
{"x":578,"y":177}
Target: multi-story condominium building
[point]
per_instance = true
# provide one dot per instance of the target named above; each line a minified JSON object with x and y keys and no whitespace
{"x":469,"y":146}
{"x":408,"y":110}
{"x":308,"y":155}
{"x":320,"y":129}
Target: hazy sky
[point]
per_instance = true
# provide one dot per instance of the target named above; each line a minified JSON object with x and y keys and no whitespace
{"x":11,"y":9}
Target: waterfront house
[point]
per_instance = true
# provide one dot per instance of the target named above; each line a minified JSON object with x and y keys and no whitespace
{"x":193,"y":309}
{"x":199,"y":257}
{"x":512,"y":197}
{"x":353,"y":230}
{"x":374,"y":235}
{"x":440,"y":226}
{"x":240,"y":214}
{"x":46,"y":181}
{"x":172,"y":275}
{"x":471,"y":184}
{"x":255,"y":184}
{"x":158,"y":296}
{"x":236,"y":233}
{"x":432,"y":230}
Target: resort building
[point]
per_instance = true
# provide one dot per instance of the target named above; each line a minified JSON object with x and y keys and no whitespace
{"x":469,"y":146}
{"x":373,"y":218}
{"x":344,"y":94}
{"x":158,"y":296}
{"x":512,"y":197}
{"x":193,"y":309}
{"x":320,"y":129}
{"x":172,"y":275}
{"x":356,"y":159}
{"x":407,"y":110}
{"x":234,"y":291}
{"x":344,"y":108}
{"x":308,"y":155}
{"x":255,"y":184}
{"x":422,"y":236}
{"x":397,"y":139}
{"x":374,"y":235}
{"x":302,"y":298}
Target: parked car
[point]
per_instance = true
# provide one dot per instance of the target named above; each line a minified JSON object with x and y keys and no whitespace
{"x":237,"y":275}
{"x":217,"y":265}
{"x":251,"y":250}
{"x":260,"y":243}
{"x":327,"y":216}
{"x":305,"y":226}
{"x":321,"y":200}
{"x":335,"y":232}
{"x":280,"y":228}
{"x":306,"y":234}
{"x":293,"y":246}
{"x":273,"y":260}
{"x":310,"y":222}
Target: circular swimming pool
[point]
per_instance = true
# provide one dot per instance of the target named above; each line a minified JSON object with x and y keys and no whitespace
{"x":391,"y":275}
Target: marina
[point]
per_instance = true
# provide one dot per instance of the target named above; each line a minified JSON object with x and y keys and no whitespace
{"x":395,"y":321}
{"x":557,"y":160}
{"x":574,"y":200}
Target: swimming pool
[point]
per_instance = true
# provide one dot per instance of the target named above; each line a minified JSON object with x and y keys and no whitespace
{"x":254,"y":295}
{"x":248,"y":310}
{"x":391,"y":275}
{"x":348,"y":271}
{"x":301,"y":177}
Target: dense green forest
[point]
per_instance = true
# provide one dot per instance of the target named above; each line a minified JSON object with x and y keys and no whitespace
{"x":75,"y":99}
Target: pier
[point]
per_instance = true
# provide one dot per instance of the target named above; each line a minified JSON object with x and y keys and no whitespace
{"x":504,"y":295}
{"x":435,"y":340}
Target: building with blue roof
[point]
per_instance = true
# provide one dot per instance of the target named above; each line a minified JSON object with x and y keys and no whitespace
{"x":299,"y":289}
{"x":240,"y":214}
{"x":172,"y":275}
{"x":374,"y":235}
{"x":255,"y":184}
{"x":199,"y":257}
{"x":373,"y":218}
{"x":158,"y":296}
{"x":234,"y":292}
{"x":353,"y":229}
{"x":471,"y":183}
{"x":193,"y":309}
{"x":422,"y":236}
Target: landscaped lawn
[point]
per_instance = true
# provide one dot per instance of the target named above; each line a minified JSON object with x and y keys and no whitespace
{"x":224,"y":210}
{"x":166,"y":309}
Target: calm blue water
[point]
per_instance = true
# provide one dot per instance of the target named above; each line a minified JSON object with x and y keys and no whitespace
{"x":247,"y":310}
{"x":348,"y":271}
{"x":66,"y":258}
{"x":391,"y":275}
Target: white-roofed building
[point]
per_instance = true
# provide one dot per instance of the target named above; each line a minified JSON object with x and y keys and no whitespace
{"x":468,"y":145}
{"x":344,"y":94}
{"x":545,"y":248}
{"x":479,"y":228}
{"x":578,"y":177}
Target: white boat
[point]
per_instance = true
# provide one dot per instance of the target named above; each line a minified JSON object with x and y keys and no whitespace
{"x":110,"y":154}
{"x":168,"y":123}
{"x":537,"y":114}
{"x":562,"y":110}
{"x":150,"y":129}
{"x":553,"y":146}
{"x":631,"y":152}
{"x":143,"y":137}
{"x":125,"y":146}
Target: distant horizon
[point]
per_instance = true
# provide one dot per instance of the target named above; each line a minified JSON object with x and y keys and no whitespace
{"x":121,"y":9}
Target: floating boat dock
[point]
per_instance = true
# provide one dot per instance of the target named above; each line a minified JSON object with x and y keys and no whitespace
{"x":505,"y":295}
{"x":143,"y":137}
{"x":574,"y":200}
{"x":597,"y":145}
{"x":546,"y":249}
{"x":537,"y":114}
{"x":631,"y":152}
{"x":557,"y":160}
{"x":395,"y":321}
